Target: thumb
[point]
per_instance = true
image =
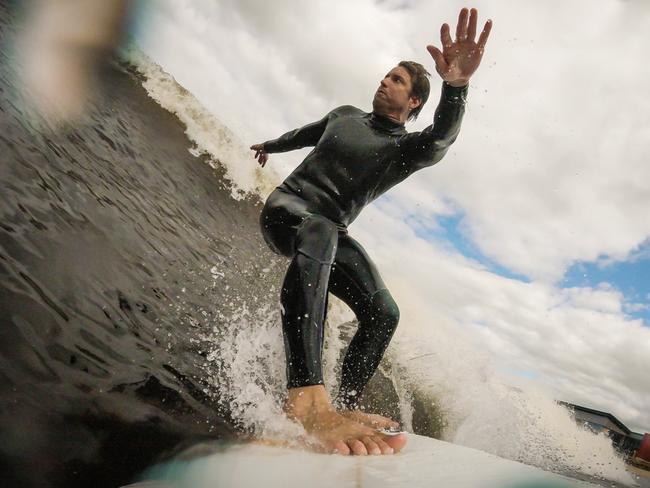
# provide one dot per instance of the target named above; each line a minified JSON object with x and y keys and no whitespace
{"x":441,"y":64}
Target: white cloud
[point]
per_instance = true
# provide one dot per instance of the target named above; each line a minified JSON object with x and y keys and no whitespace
{"x":550,"y":165}
{"x":578,"y":341}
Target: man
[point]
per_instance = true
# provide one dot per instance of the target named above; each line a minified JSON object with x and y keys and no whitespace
{"x":357,"y":156}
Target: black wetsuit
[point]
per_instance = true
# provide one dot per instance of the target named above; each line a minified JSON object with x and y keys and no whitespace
{"x":357,"y":157}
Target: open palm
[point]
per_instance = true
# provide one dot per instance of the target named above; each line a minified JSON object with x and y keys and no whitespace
{"x":459,"y":59}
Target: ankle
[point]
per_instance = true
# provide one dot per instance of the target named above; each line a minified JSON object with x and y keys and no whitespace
{"x":308,"y":400}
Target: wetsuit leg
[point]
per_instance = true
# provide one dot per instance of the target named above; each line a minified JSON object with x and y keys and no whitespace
{"x":311,"y":240}
{"x":355,"y":280}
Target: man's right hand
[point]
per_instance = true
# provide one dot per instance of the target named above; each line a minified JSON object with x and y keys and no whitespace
{"x":260,"y":154}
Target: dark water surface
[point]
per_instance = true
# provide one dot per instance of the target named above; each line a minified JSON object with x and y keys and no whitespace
{"x":108,"y":233}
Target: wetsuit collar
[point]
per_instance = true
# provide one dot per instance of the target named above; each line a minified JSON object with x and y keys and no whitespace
{"x":385,"y":124}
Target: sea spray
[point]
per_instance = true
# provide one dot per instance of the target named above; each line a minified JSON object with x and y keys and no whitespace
{"x":209,"y":135}
{"x":481,"y":411}
{"x":246,"y":366}
{"x":528,"y":426}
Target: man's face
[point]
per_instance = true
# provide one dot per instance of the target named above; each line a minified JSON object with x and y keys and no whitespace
{"x":394,"y":93}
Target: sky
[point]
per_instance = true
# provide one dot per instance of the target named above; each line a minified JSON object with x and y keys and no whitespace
{"x":531,"y":236}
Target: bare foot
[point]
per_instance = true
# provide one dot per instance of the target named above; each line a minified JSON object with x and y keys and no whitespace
{"x":373,"y":420}
{"x":312,"y":407}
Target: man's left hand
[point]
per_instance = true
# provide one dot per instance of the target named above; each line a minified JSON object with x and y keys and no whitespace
{"x":459,"y":59}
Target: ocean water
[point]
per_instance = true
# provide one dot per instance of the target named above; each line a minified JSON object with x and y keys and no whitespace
{"x":139,"y":305}
{"x":118,"y":248}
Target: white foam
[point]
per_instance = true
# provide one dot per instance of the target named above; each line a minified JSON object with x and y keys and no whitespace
{"x":246,"y":365}
{"x":210,"y":137}
{"x":481,"y":411}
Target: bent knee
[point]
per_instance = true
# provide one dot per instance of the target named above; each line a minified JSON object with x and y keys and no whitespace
{"x":384,"y":309}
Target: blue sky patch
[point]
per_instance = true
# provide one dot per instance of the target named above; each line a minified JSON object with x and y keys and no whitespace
{"x":630,"y":277}
{"x":451,"y":229}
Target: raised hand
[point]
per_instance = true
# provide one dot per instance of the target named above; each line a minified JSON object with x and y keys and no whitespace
{"x":459,"y":59}
{"x":260,"y":154}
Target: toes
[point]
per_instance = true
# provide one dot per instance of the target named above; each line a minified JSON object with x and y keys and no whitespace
{"x":371,"y":446}
{"x":357,"y":447}
{"x":385,"y":448}
{"x":340,"y":447}
{"x":397,"y":441}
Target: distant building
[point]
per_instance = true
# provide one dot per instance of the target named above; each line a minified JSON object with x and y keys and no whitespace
{"x":642,"y":456}
{"x":624,"y":439}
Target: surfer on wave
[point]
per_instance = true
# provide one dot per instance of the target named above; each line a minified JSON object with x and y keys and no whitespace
{"x":357,"y":157}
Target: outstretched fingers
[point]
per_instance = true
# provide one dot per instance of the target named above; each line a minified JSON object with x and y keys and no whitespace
{"x":438,"y":57}
{"x":445,"y":36}
{"x":461,"y":28}
{"x":471,"y":29}
{"x":482,"y":40}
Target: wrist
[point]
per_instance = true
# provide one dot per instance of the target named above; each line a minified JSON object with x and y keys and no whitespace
{"x":458,"y":83}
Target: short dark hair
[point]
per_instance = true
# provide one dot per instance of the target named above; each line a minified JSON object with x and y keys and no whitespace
{"x":420,"y":86}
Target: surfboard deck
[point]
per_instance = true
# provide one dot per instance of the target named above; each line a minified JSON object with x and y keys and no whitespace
{"x":425,"y":462}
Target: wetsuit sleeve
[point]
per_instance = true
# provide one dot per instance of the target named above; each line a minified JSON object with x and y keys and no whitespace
{"x":426,"y":148}
{"x":297,"y":139}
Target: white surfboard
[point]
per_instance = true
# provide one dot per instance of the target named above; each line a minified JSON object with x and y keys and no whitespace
{"x":425,"y":462}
